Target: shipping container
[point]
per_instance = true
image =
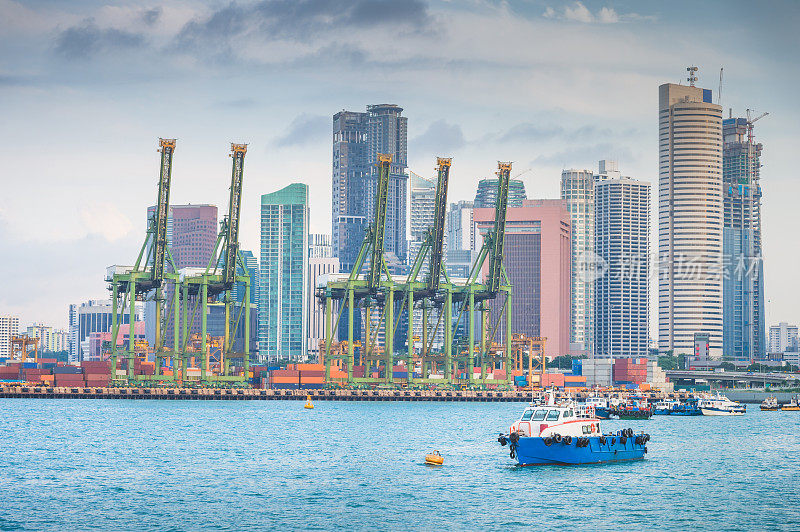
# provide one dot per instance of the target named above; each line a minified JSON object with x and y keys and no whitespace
{"x":67,"y":370}
{"x":284,"y":386}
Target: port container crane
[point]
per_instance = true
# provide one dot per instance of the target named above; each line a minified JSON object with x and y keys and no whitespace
{"x":133,"y":283}
{"x":218,"y":279}
{"x":357,"y":288}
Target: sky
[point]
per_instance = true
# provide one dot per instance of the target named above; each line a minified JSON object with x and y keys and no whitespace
{"x":87,"y":87}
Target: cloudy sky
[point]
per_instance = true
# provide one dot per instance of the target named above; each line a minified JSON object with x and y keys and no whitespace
{"x":87,"y":87}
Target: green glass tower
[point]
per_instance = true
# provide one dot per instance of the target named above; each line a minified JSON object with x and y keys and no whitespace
{"x":284,"y":250}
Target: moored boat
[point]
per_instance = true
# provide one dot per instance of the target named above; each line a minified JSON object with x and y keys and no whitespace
{"x":791,"y":405}
{"x":770,"y":404}
{"x":719,"y":405}
{"x":569,"y":434}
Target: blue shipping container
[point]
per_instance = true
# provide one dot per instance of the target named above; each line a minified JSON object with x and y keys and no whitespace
{"x":400,"y":374}
{"x":577,"y":367}
{"x":31,"y":365}
{"x":285,"y":386}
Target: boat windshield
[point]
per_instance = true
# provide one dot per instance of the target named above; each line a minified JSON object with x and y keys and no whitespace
{"x":540,"y":415}
{"x":552,"y":415}
{"x":526,"y":415}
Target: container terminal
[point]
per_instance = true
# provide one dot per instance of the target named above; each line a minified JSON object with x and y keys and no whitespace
{"x":194,"y":364}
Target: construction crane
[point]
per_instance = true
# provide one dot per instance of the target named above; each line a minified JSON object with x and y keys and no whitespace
{"x":209,"y":283}
{"x":134,"y":282}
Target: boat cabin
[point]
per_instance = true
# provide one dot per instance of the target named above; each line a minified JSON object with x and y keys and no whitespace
{"x":567,"y":420}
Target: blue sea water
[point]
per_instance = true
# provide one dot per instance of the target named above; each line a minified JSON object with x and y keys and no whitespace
{"x":183,"y":465}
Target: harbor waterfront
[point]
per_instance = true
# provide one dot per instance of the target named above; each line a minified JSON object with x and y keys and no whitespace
{"x":190,"y":465}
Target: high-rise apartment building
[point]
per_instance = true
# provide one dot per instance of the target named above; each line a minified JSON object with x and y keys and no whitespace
{"x":537,"y":260}
{"x":74,"y":345}
{"x":9,"y":326}
{"x":783,"y":337}
{"x":690,"y":219}
{"x":284,"y":258}
{"x":486,"y":195}
{"x":577,"y":189}
{"x":622,"y":248}
{"x":251,"y":262}
{"x":358,"y":138}
{"x":349,"y":190}
{"x":50,"y":338}
{"x":743,"y":280}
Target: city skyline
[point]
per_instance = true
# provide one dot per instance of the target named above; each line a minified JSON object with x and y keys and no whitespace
{"x":541,"y":119}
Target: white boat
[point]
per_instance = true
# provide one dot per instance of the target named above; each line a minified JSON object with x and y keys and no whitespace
{"x":719,"y":405}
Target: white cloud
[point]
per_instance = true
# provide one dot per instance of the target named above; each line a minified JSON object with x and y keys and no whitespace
{"x":607,"y":15}
{"x":578,"y":12}
{"x":105,"y":219}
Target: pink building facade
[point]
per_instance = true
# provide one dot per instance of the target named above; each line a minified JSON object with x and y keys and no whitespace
{"x":537,"y":257}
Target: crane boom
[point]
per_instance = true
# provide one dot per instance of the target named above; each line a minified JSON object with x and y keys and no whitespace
{"x":499,"y":232}
{"x":443,"y":168}
{"x":167,"y":148}
{"x":379,"y":221}
{"x":234,"y":209}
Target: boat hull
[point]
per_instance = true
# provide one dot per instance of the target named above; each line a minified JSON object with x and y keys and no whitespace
{"x":716,"y":412}
{"x":790,"y":408}
{"x":533,"y":451}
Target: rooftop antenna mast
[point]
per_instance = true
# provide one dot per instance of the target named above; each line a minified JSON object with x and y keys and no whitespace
{"x":692,"y":70}
{"x":719,"y":92}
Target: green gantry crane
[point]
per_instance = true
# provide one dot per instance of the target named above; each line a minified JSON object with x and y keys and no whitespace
{"x":474,"y":293}
{"x":218,"y":278}
{"x":364,"y":289}
{"x":133,"y":283}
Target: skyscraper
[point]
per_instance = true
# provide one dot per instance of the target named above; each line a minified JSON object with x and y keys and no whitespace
{"x":743,"y":324}
{"x":461,"y":250}
{"x":349,"y":190}
{"x":191,"y":235}
{"x":622,"y":246}
{"x":537,"y":260}
{"x":486,"y":195}
{"x":689,"y":219}
{"x":423,"y":197}
{"x":577,"y":189}
{"x":284,"y":256}
{"x":358,"y":138}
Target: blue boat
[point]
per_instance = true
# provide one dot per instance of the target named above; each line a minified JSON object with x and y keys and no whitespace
{"x":569,"y":434}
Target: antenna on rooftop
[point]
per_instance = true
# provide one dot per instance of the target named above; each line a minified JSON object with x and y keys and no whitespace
{"x":692,"y":70}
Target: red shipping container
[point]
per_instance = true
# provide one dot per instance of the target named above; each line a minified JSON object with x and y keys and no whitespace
{"x":285,"y":373}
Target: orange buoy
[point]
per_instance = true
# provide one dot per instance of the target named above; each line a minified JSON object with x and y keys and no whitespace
{"x":434,"y":458}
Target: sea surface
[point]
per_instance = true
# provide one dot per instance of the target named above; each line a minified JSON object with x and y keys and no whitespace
{"x":214,"y":465}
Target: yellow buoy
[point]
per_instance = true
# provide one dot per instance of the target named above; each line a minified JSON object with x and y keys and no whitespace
{"x":434,"y":458}
{"x":308,"y":402}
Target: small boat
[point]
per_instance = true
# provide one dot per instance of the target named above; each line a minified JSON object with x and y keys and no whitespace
{"x":568,"y":434}
{"x":309,"y":404}
{"x":719,"y":405}
{"x":770,"y":404}
{"x":434,"y":458}
{"x":791,"y":405}
{"x":665,"y":407}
